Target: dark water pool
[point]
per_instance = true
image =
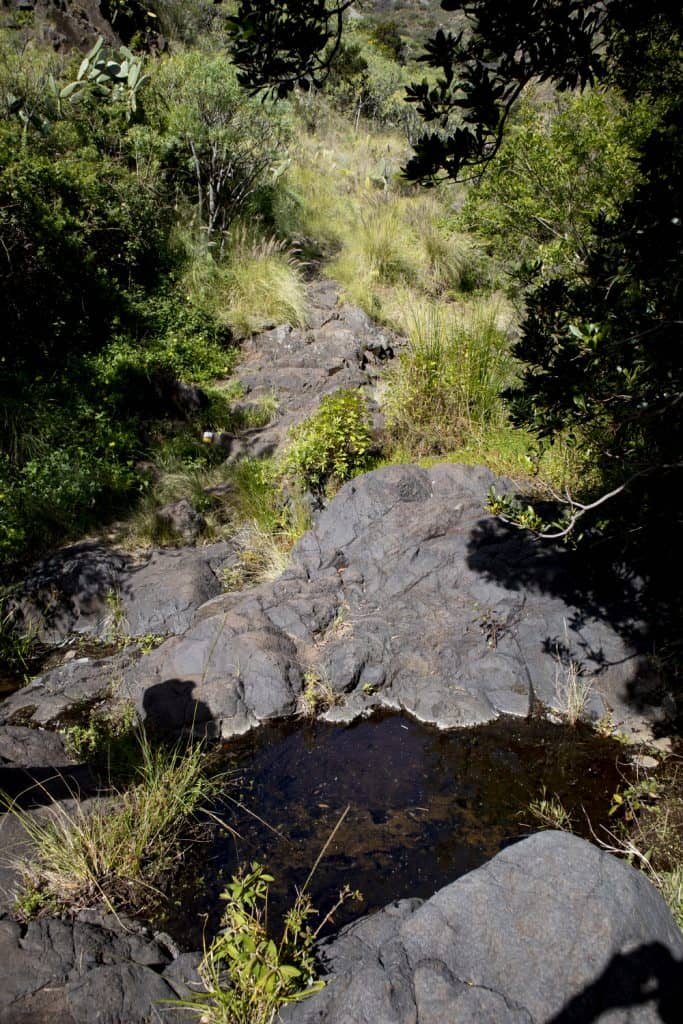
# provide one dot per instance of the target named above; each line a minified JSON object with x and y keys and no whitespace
{"x":425,"y":807}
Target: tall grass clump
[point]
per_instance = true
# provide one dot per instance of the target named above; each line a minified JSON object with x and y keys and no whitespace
{"x":254,"y":283}
{"x":449,"y":381}
{"x":116,"y":851}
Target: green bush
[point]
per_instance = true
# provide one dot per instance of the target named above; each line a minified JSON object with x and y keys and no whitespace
{"x":562,"y":164}
{"x":217,"y":147}
{"x":334,"y":443}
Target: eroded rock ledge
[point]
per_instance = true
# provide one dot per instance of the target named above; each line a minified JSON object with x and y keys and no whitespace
{"x":405,"y":595}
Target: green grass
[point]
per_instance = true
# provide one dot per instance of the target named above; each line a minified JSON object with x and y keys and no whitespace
{"x":449,"y":381}
{"x":255,"y":283}
{"x":115,"y":851}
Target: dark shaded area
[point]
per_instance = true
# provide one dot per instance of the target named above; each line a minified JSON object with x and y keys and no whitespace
{"x":591,"y":579}
{"x":86,"y":573}
{"x":170,"y":706}
{"x":649,"y":974}
{"x":425,"y":808}
{"x":41,"y":786}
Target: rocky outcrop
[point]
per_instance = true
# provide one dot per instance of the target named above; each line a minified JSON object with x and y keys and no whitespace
{"x":340,"y":348}
{"x":65,"y":25}
{"x":551,"y":931}
{"x":94,"y":968}
{"x":405,"y":595}
{"x":90,"y":589}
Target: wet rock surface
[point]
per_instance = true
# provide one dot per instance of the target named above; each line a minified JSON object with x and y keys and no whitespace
{"x":551,"y":931}
{"x":405,"y":595}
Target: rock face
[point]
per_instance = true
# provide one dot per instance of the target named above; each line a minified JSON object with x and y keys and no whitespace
{"x":341,"y":348}
{"x":76,"y":972}
{"x":551,"y":931}
{"x":65,"y":25}
{"x":91,"y":589}
{"x":405,"y":595}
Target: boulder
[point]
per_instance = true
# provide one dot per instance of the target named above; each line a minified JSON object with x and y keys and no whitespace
{"x":551,"y":931}
{"x":67,"y":692}
{"x":406,"y":595}
{"x":90,"y":589}
{"x":182,"y":520}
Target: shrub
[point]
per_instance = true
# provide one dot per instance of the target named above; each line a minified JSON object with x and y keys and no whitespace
{"x":333,"y":444}
{"x":218,"y":147}
{"x":562,"y":164}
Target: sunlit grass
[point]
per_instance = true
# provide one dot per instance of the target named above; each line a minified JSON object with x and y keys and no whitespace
{"x":115,"y":850}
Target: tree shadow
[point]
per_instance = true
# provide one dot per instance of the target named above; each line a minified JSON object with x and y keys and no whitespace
{"x":648,"y":974}
{"x":591,"y":581}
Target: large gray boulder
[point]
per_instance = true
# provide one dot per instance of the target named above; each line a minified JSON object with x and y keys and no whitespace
{"x":551,"y":931}
{"x":405,"y":595}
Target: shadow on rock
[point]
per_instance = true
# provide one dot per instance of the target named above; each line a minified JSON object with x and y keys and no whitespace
{"x":648,"y":974}
{"x":36,"y":787}
{"x":594,"y":586}
{"x":171,"y":706}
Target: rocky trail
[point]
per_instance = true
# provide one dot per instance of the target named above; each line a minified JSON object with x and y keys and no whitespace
{"x":407,"y":596}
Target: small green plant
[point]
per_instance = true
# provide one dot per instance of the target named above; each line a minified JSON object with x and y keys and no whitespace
{"x":511,"y":510}
{"x":333,"y":444}
{"x":648,"y":829}
{"x":16,"y":646}
{"x":109,"y":740}
{"x":115,"y":851}
{"x":247,"y":975}
{"x":317,"y":695}
{"x":549,"y":812}
{"x":115,"y":626}
{"x":630,"y":800}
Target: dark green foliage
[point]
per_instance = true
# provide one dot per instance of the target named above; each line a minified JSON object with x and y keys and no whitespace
{"x":563,"y":164}
{"x":280,"y":44}
{"x":96,"y":336}
{"x":78,"y":229}
{"x":603,"y":354}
